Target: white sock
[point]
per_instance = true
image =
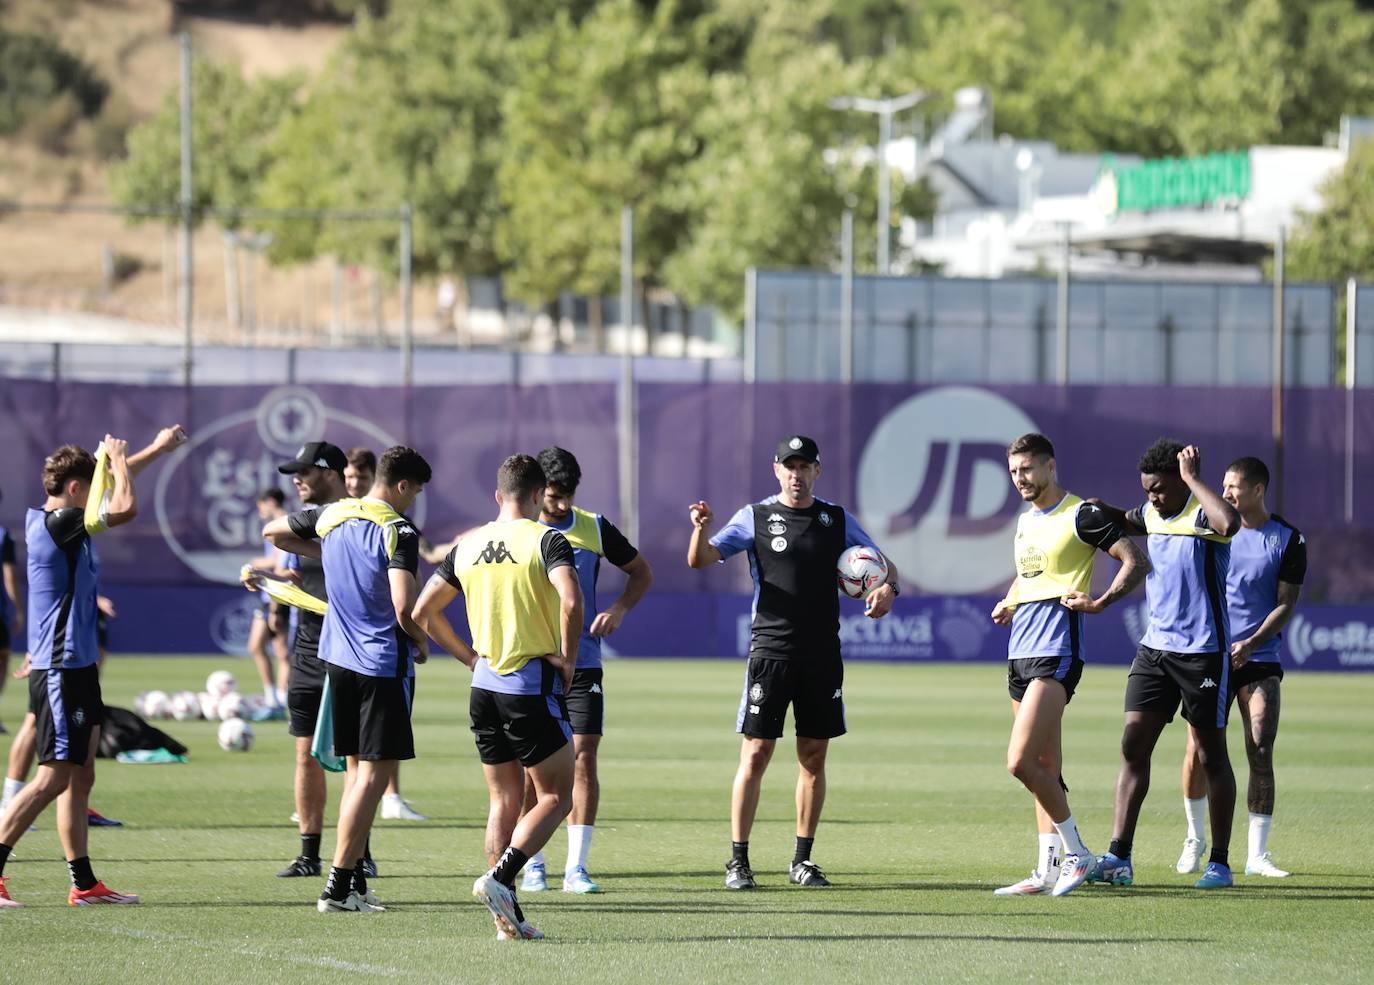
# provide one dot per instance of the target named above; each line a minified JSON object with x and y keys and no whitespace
{"x":1068,"y":830}
{"x":579,"y":844}
{"x":1196,"y":813}
{"x":12,"y":787}
{"x":536,"y":859}
{"x":1259,"y":833}
{"x":279,"y":697}
{"x":1051,"y":855}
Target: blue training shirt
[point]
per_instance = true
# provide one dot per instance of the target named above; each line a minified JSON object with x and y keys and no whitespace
{"x":1261,"y":557}
{"x":1185,"y":590}
{"x":614,"y":547}
{"x":63,"y":572}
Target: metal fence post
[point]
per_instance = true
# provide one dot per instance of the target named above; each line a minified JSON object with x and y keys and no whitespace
{"x":1278,"y":367}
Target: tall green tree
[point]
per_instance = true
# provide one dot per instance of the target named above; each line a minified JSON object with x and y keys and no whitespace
{"x":1337,"y":241}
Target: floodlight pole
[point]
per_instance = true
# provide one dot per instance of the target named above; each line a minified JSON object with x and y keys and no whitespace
{"x":1280,"y":243}
{"x":187,"y":274}
{"x":884,"y":108}
{"x":629,"y":510}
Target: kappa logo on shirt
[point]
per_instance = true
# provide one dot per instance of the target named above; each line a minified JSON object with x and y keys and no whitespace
{"x":494,"y":553}
{"x":775,"y":518}
{"x":1208,"y":682}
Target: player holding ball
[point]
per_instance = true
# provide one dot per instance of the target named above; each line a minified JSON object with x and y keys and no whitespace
{"x":794,"y":542}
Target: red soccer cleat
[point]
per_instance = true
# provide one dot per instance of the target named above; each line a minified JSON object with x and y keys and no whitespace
{"x":99,"y":893}
{"x":7,"y":902}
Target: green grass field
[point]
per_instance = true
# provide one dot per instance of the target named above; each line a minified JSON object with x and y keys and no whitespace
{"x":921,"y":823}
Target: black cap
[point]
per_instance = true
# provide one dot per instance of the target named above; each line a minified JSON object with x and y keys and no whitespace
{"x":797,"y":446}
{"x":318,"y":455}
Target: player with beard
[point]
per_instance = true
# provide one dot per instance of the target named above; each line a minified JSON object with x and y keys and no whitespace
{"x":1184,"y":656}
{"x":1057,"y":540}
{"x":1268,"y":564}
{"x":317,"y":474}
{"x":793,"y":541}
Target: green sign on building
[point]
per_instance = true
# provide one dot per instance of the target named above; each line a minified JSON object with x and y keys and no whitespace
{"x":1173,"y":182}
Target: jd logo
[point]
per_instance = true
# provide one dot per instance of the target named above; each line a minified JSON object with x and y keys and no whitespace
{"x":933,"y":488}
{"x":495,"y":553}
{"x":205,"y":493}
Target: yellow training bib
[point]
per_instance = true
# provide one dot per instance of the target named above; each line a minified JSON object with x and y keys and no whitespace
{"x":1050,"y":559}
{"x":513,"y":608}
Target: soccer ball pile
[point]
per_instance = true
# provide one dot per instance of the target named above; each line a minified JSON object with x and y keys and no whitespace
{"x":219,"y":702}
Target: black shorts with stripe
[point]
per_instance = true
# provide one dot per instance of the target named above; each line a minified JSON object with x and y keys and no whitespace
{"x":527,"y":727}
{"x":67,"y":706}
{"x":371,"y":715}
{"x":1161,"y":680}
{"x":586,"y":702}
{"x":1067,"y":670}
{"x":813,"y":688}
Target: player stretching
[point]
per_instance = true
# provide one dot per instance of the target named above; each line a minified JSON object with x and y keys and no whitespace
{"x":793,"y":541}
{"x":1268,"y":564}
{"x":370,"y":554}
{"x":1056,"y":544}
{"x":1184,"y":655}
{"x":524,"y":607}
{"x":64,"y":683}
{"x":592,"y":537}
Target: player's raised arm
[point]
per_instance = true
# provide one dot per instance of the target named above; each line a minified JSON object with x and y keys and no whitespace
{"x":701,"y":553}
{"x":428,"y":613}
{"x":168,"y":440}
{"x":1221,"y":515}
{"x":287,"y":536}
{"x":123,"y":505}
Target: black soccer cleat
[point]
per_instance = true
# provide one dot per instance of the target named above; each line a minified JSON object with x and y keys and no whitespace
{"x":369,"y":868}
{"x":300,"y":866}
{"x":738,"y":875}
{"x":807,"y":873}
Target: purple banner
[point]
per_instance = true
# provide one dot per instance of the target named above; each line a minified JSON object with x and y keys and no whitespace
{"x":922,"y":468}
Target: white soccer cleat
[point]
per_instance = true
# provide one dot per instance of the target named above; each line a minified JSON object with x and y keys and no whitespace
{"x":577,"y":881}
{"x":1194,"y":851}
{"x":1264,"y":866}
{"x":1073,"y":873}
{"x":535,"y":879}
{"x":395,"y":808}
{"x":526,"y":932}
{"x":1032,"y":885}
{"x":500,"y":900}
{"x":352,"y":903}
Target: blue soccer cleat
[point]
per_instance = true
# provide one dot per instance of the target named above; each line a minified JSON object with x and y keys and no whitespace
{"x":1216,"y":876}
{"x":1112,"y":870}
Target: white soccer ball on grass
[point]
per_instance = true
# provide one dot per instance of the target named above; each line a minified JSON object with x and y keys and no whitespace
{"x":185,"y":706}
{"x":230,"y":706}
{"x":235,"y":735}
{"x":220,"y":683}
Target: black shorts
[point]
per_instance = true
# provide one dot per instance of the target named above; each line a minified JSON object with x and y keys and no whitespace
{"x":527,"y":727}
{"x":1160,"y":679}
{"x":1253,"y":671}
{"x":4,"y":635}
{"x":1067,"y":670}
{"x":66,"y":706}
{"x":304,"y":689}
{"x":371,"y":715}
{"x":815,"y":690}
{"x":586,"y":703}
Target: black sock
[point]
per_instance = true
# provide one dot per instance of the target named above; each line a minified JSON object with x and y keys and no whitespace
{"x":1120,"y":847}
{"x":506,"y":867}
{"x":340,"y":880}
{"x":80,"y":868}
{"x":1219,"y":856}
{"x":739,"y":852}
{"x":359,"y":879}
{"x":310,"y":847}
{"x":803,"y":852}
{"x":4,"y":857}
{"x":367,"y":849}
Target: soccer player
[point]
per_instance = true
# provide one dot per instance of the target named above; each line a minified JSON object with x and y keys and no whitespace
{"x":793,"y":541}
{"x":592,"y":537}
{"x":317,"y":473}
{"x":64,"y":682}
{"x":359,"y":475}
{"x":11,"y":607}
{"x":1057,"y":540}
{"x":370,"y":554}
{"x":524,"y":608}
{"x":270,"y":620}
{"x":1268,"y":564}
{"x":1184,"y":655}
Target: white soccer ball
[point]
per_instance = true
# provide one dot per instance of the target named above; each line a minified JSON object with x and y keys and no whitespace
{"x":185,"y":706}
{"x":156,"y":704}
{"x":235,"y":735}
{"x":860,"y":570}
{"x":220,"y":683}
{"x":209,"y":705}
{"x":230,"y":706}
